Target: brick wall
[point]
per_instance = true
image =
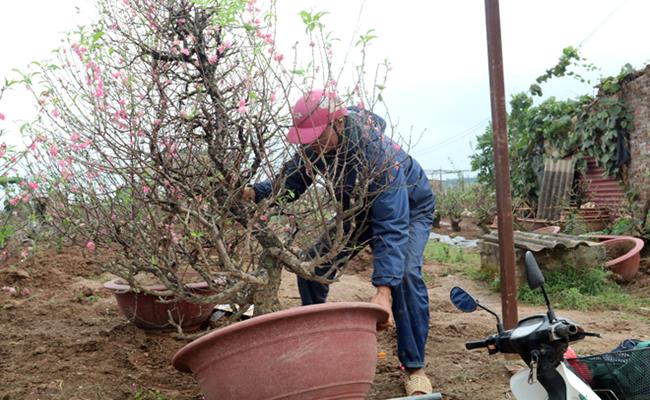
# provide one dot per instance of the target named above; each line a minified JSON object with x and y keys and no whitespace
{"x":636,"y":94}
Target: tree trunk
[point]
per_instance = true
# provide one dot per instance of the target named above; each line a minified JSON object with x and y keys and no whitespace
{"x":266,"y":299}
{"x":455,"y":224}
{"x":484,"y":228}
{"x":436,"y":220}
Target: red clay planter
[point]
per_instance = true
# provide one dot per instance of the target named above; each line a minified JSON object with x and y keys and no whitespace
{"x":548,"y":229}
{"x":625,"y":253}
{"x":325,"y":351}
{"x":148,"y":311}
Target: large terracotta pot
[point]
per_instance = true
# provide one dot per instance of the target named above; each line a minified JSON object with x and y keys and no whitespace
{"x":149,"y":311}
{"x":323,"y":351}
{"x":624,"y":255}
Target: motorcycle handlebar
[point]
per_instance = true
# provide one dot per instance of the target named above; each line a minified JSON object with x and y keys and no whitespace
{"x":476,"y":344}
{"x":565,"y":330}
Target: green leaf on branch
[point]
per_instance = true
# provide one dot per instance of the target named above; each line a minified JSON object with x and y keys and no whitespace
{"x":96,"y":36}
{"x":312,"y":20}
{"x":366,"y":38}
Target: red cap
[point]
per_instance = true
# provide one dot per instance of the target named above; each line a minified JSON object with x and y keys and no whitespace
{"x":311,"y":115}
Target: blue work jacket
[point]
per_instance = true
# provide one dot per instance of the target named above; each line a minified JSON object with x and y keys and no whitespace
{"x":397,"y":183}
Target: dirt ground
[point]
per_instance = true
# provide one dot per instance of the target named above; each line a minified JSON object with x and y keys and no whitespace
{"x":67,"y":340}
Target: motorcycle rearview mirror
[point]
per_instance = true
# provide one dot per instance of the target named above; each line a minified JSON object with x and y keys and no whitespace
{"x":536,"y":280}
{"x":465,"y":302}
{"x":533,"y":272}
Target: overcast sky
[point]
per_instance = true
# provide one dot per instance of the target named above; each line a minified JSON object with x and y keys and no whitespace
{"x":438,"y":85}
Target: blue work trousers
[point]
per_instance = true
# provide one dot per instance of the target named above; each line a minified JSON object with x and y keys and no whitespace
{"x":410,"y":297}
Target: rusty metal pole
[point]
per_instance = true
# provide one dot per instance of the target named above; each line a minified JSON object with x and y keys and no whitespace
{"x":501,"y":167}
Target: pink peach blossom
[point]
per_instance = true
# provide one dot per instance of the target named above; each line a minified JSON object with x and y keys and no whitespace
{"x":100,"y":89}
{"x":242,"y":107}
{"x":224,"y":46}
{"x":54,"y":150}
{"x":175,"y":237}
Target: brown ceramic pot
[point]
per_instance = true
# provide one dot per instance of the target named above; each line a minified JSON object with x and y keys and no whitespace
{"x":148,"y":311}
{"x":324,"y":351}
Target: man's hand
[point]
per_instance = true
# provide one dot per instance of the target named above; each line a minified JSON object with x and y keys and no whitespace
{"x":248,"y":195}
{"x":384,"y":299}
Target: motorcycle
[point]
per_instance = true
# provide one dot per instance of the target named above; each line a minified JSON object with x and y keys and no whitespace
{"x":540,"y":340}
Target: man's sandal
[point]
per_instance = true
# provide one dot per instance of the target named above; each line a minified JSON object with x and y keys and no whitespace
{"x":417,"y":384}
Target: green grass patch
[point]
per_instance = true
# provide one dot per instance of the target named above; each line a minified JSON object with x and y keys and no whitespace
{"x":148,"y":394}
{"x":568,"y":287}
{"x":455,"y":259}
{"x":582,"y":289}
{"x":450,"y":255}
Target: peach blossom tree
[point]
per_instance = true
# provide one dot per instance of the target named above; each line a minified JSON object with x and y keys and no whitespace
{"x":153,"y":121}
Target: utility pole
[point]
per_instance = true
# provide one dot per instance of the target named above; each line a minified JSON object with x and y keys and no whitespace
{"x":502,"y":169}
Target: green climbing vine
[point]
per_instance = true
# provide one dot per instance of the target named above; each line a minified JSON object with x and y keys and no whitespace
{"x":587,"y":126}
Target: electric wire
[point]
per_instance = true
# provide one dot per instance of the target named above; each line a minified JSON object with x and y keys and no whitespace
{"x":452,"y":139}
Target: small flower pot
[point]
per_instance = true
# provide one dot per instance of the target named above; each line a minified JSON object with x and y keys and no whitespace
{"x":150,"y":311}
{"x":323,"y":351}
{"x":531,"y":224}
{"x":549,"y":230}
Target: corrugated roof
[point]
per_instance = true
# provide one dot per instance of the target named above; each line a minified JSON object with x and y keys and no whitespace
{"x":556,"y":183}
{"x":540,"y":241}
{"x":602,"y":190}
